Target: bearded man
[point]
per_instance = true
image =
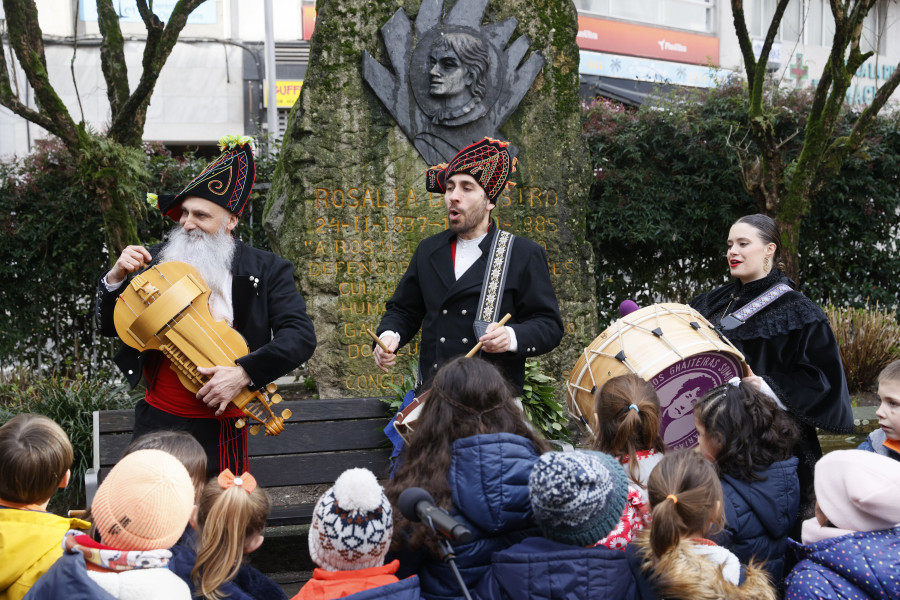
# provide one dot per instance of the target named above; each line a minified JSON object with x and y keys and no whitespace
{"x":460,"y":280}
{"x":252,"y":290}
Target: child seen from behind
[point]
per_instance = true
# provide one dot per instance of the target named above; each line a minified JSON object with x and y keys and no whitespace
{"x":851,"y":548}
{"x":626,"y":425}
{"x":749,"y":441}
{"x":229,"y":520}
{"x":675,"y":560}
{"x":35,"y":458}
{"x":139,"y":512}
{"x":577,"y":499}
{"x":348,"y":539}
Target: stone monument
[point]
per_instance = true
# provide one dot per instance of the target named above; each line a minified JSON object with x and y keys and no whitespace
{"x":391,"y":89}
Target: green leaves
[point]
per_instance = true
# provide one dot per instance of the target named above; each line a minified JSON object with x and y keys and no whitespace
{"x":539,"y":402}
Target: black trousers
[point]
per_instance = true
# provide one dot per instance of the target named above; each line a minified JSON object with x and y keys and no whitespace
{"x":225,"y":445}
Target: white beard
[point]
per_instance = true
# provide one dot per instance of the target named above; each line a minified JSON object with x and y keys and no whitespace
{"x":210,"y":254}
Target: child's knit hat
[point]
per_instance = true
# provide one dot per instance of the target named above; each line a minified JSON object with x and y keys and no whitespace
{"x":352,"y":524}
{"x":577,"y":497}
{"x":144,"y":503}
{"x":858,"y":490}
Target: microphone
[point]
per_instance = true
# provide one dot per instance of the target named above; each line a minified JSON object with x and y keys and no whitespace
{"x":418,"y":505}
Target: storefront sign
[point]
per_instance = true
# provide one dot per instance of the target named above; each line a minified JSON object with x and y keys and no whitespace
{"x":648,"y":69}
{"x":650,"y":42}
{"x":286,"y":92}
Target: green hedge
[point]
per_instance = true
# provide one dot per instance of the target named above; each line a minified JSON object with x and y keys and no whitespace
{"x":668,"y":186}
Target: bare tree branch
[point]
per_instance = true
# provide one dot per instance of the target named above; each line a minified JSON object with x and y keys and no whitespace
{"x":127,"y":126}
{"x":26,"y":38}
{"x":112,"y":56}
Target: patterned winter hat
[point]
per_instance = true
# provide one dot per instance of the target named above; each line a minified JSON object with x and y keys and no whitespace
{"x":489,"y":161}
{"x":577,"y":497}
{"x":352,"y":524}
{"x":144,"y":503}
{"x":227,"y":181}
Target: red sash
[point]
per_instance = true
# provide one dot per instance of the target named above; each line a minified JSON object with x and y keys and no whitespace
{"x":168,"y":394}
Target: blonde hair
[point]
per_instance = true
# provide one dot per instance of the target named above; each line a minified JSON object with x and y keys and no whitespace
{"x":621,"y":430}
{"x":182,"y":446}
{"x":226,"y":519}
{"x":35,"y":454}
{"x":686,"y":498}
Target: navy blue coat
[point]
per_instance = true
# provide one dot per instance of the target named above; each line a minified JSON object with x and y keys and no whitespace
{"x":248,"y":584}
{"x":858,"y":566}
{"x":68,"y":579}
{"x":538,"y":568}
{"x":488,"y":480}
{"x":759,"y":515}
{"x":405,"y":589}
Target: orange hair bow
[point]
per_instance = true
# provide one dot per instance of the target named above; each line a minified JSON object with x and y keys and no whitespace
{"x":228,"y":479}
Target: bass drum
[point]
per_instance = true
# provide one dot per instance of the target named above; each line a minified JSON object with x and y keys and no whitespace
{"x":673,"y":347}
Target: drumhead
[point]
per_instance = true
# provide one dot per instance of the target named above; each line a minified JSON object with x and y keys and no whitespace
{"x":669,"y":345}
{"x":681,"y":385}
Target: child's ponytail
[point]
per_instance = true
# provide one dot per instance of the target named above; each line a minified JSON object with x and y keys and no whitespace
{"x":231,"y":511}
{"x":686,"y":497}
{"x":627,"y":412}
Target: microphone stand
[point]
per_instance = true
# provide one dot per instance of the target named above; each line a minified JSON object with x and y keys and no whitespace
{"x":448,"y":556}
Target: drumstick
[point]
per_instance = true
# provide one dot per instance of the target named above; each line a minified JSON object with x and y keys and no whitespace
{"x":478,"y":346}
{"x":378,"y":341}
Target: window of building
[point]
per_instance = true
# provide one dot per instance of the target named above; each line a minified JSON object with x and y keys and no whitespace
{"x":694,"y":15}
{"x":811,"y":22}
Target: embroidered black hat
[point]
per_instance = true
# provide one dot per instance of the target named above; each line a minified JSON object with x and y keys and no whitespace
{"x":490,"y":162}
{"x":227,"y":181}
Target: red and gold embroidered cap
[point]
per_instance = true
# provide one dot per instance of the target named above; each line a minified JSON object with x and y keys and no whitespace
{"x":227,"y":181}
{"x":489,"y":161}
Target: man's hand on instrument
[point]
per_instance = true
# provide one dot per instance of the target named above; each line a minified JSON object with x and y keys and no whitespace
{"x":496,"y":339}
{"x":133,"y":258}
{"x":383,"y":359}
{"x":224,"y":384}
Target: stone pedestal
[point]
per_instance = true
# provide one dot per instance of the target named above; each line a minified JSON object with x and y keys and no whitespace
{"x":348,"y":204}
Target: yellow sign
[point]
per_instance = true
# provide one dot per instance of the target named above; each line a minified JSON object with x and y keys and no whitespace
{"x":286,"y":92}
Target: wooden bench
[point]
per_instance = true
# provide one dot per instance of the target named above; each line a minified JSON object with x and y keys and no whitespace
{"x":321,"y":440}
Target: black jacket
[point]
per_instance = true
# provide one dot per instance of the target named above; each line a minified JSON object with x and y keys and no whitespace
{"x":268,"y":312}
{"x":430,"y":296}
{"x":790,"y":345}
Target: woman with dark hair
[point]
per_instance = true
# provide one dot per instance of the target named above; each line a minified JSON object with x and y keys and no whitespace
{"x":473,"y":452}
{"x":789,"y":345}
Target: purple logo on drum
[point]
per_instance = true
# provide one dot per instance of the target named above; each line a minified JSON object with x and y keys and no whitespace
{"x":681,"y":385}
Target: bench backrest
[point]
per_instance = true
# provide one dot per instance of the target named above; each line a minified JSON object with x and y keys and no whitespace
{"x":322,"y":439}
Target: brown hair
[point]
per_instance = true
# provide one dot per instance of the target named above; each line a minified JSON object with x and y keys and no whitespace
{"x":621,"y":430}
{"x":747,"y":427}
{"x":890,"y":372}
{"x":226,"y":519}
{"x":35,"y":454}
{"x":468,"y":396}
{"x":768,"y":233}
{"x":685,"y":495}
{"x":182,"y":446}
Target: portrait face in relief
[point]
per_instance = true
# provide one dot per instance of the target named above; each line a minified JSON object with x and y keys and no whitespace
{"x":458,"y":63}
